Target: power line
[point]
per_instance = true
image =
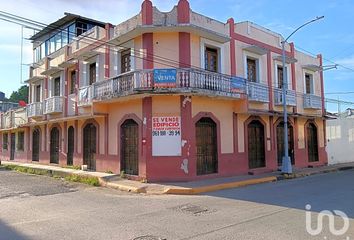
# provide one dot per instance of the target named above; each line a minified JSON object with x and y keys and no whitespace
{"x":97,"y":43}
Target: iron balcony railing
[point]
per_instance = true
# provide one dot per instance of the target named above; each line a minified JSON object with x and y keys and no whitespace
{"x":312,"y":101}
{"x":185,"y":80}
{"x":35,"y":109}
{"x":53,"y":105}
{"x":257,"y":92}
{"x":85,"y":96}
{"x":290,"y":97}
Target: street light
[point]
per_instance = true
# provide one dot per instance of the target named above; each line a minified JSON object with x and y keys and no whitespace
{"x":286,"y":161}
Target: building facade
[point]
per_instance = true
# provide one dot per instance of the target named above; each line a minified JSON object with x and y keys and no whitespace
{"x":168,"y":96}
{"x":340,"y":135}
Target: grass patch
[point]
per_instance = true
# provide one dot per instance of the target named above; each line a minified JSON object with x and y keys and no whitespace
{"x":72,"y":167}
{"x":93,"y":181}
{"x":28,"y":170}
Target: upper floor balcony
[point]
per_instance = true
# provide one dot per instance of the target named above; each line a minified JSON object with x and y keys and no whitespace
{"x":53,"y":105}
{"x":312,"y":101}
{"x":257,"y":92}
{"x":290,"y":97}
{"x":85,"y":96}
{"x":35,"y":109}
{"x":13,"y":118}
{"x":85,"y":41}
{"x":198,"y":82}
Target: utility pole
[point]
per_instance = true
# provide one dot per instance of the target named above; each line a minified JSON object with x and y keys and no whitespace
{"x":286,"y":161}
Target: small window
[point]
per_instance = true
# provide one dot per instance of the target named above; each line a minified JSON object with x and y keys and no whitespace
{"x":72,"y":82}
{"x":20,"y":141}
{"x":125,"y":61}
{"x":92,"y":73}
{"x":71,"y":33}
{"x":58,"y":41}
{"x":56,"y":91}
{"x":81,"y":28}
{"x":52,"y":45}
{"x":211,"y":59}
{"x":252,"y":70}
{"x":309,"y":83}
{"x":280,"y":76}
{"x":38,"y":93}
{"x":5,"y":139}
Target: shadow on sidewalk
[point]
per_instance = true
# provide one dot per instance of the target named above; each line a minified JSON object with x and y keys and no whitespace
{"x":7,"y":232}
{"x":331,"y":191}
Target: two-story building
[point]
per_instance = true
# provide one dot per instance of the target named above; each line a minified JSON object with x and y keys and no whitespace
{"x":169,"y":96}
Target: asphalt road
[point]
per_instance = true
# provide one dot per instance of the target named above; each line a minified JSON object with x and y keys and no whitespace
{"x":38,"y":207}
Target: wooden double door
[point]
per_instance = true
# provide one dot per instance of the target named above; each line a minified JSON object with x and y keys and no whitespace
{"x":256,"y":145}
{"x":54,"y":145}
{"x":129,"y":145}
{"x":90,"y":137}
{"x":312,"y":143}
{"x":207,"y":151}
{"x":280,"y":143}
{"x":36,"y":138}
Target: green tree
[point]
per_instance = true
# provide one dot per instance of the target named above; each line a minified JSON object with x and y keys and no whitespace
{"x":20,"y":95}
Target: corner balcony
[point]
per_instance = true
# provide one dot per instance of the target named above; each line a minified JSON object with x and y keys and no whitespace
{"x":53,"y":105}
{"x":85,"y":96}
{"x":290,"y":97}
{"x":312,"y":101}
{"x":257,"y":92}
{"x":170,"y":81}
{"x":35,"y":109}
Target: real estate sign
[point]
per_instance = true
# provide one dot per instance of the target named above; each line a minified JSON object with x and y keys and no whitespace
{"x":165,"y":77}
{"x":166,"y":136}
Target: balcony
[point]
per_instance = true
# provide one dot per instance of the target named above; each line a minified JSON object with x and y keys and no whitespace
{"x":312,"y":101}
{"x":290,"y":97}
{"x":35,"y":110}
{"x":81,"y":42}
{"x":170,"y":81}
{"x":85,"y":96}
{"x":53,"y":105}
{"x":257,"y":92}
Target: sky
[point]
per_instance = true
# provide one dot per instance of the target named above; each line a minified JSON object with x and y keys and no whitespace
{"x":333,"y":36}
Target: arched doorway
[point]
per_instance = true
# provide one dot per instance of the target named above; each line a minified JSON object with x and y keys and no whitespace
{"x":90,"y":146}
{"x":129,"y":147}
{"x":280,"y":142}
{"x":54,"y":145}
{"x":207,"y":151}
{"x":71,"y":144}
{"x":312,"y":142}
{"x":36,"y":136}
{"x":256,"y":144}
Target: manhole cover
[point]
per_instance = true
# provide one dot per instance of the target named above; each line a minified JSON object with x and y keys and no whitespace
{"x":149,"y":238}
{"x":193,"y":209}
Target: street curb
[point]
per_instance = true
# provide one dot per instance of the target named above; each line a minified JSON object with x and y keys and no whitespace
{"x":217,"y":187}
{"x":122,"y":187}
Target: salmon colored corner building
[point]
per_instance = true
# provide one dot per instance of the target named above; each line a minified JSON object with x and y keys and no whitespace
{"x":166,"y":96}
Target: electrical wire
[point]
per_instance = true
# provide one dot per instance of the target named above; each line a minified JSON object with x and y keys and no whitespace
{"x":97,"y":43}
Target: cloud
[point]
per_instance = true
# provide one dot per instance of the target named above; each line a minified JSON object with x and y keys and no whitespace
{"x":347,"y":62}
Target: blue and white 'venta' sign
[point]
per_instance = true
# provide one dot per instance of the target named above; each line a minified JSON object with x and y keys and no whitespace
{"x":165,"y":77}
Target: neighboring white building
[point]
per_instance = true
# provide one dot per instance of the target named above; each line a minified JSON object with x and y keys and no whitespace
{"x":340,"y":138}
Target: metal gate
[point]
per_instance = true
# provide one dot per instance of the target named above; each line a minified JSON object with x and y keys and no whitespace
{"x":35,"y":144}
{"x":71,"y":144}
{"x":90,"y":146}
{"x":54,"y":145}
{"x":129,"y":147}
{"x":207,"y":151}
{"x":312,"y":144}
{"x":13,"y":146}
{"x":280,"y":143}
{"x":256,"y":149}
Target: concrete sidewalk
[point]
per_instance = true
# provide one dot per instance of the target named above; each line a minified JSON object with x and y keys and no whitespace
{"x":185,"y":188}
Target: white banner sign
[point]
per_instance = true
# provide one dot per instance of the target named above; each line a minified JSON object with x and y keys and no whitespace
{"x":166,"y":136}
